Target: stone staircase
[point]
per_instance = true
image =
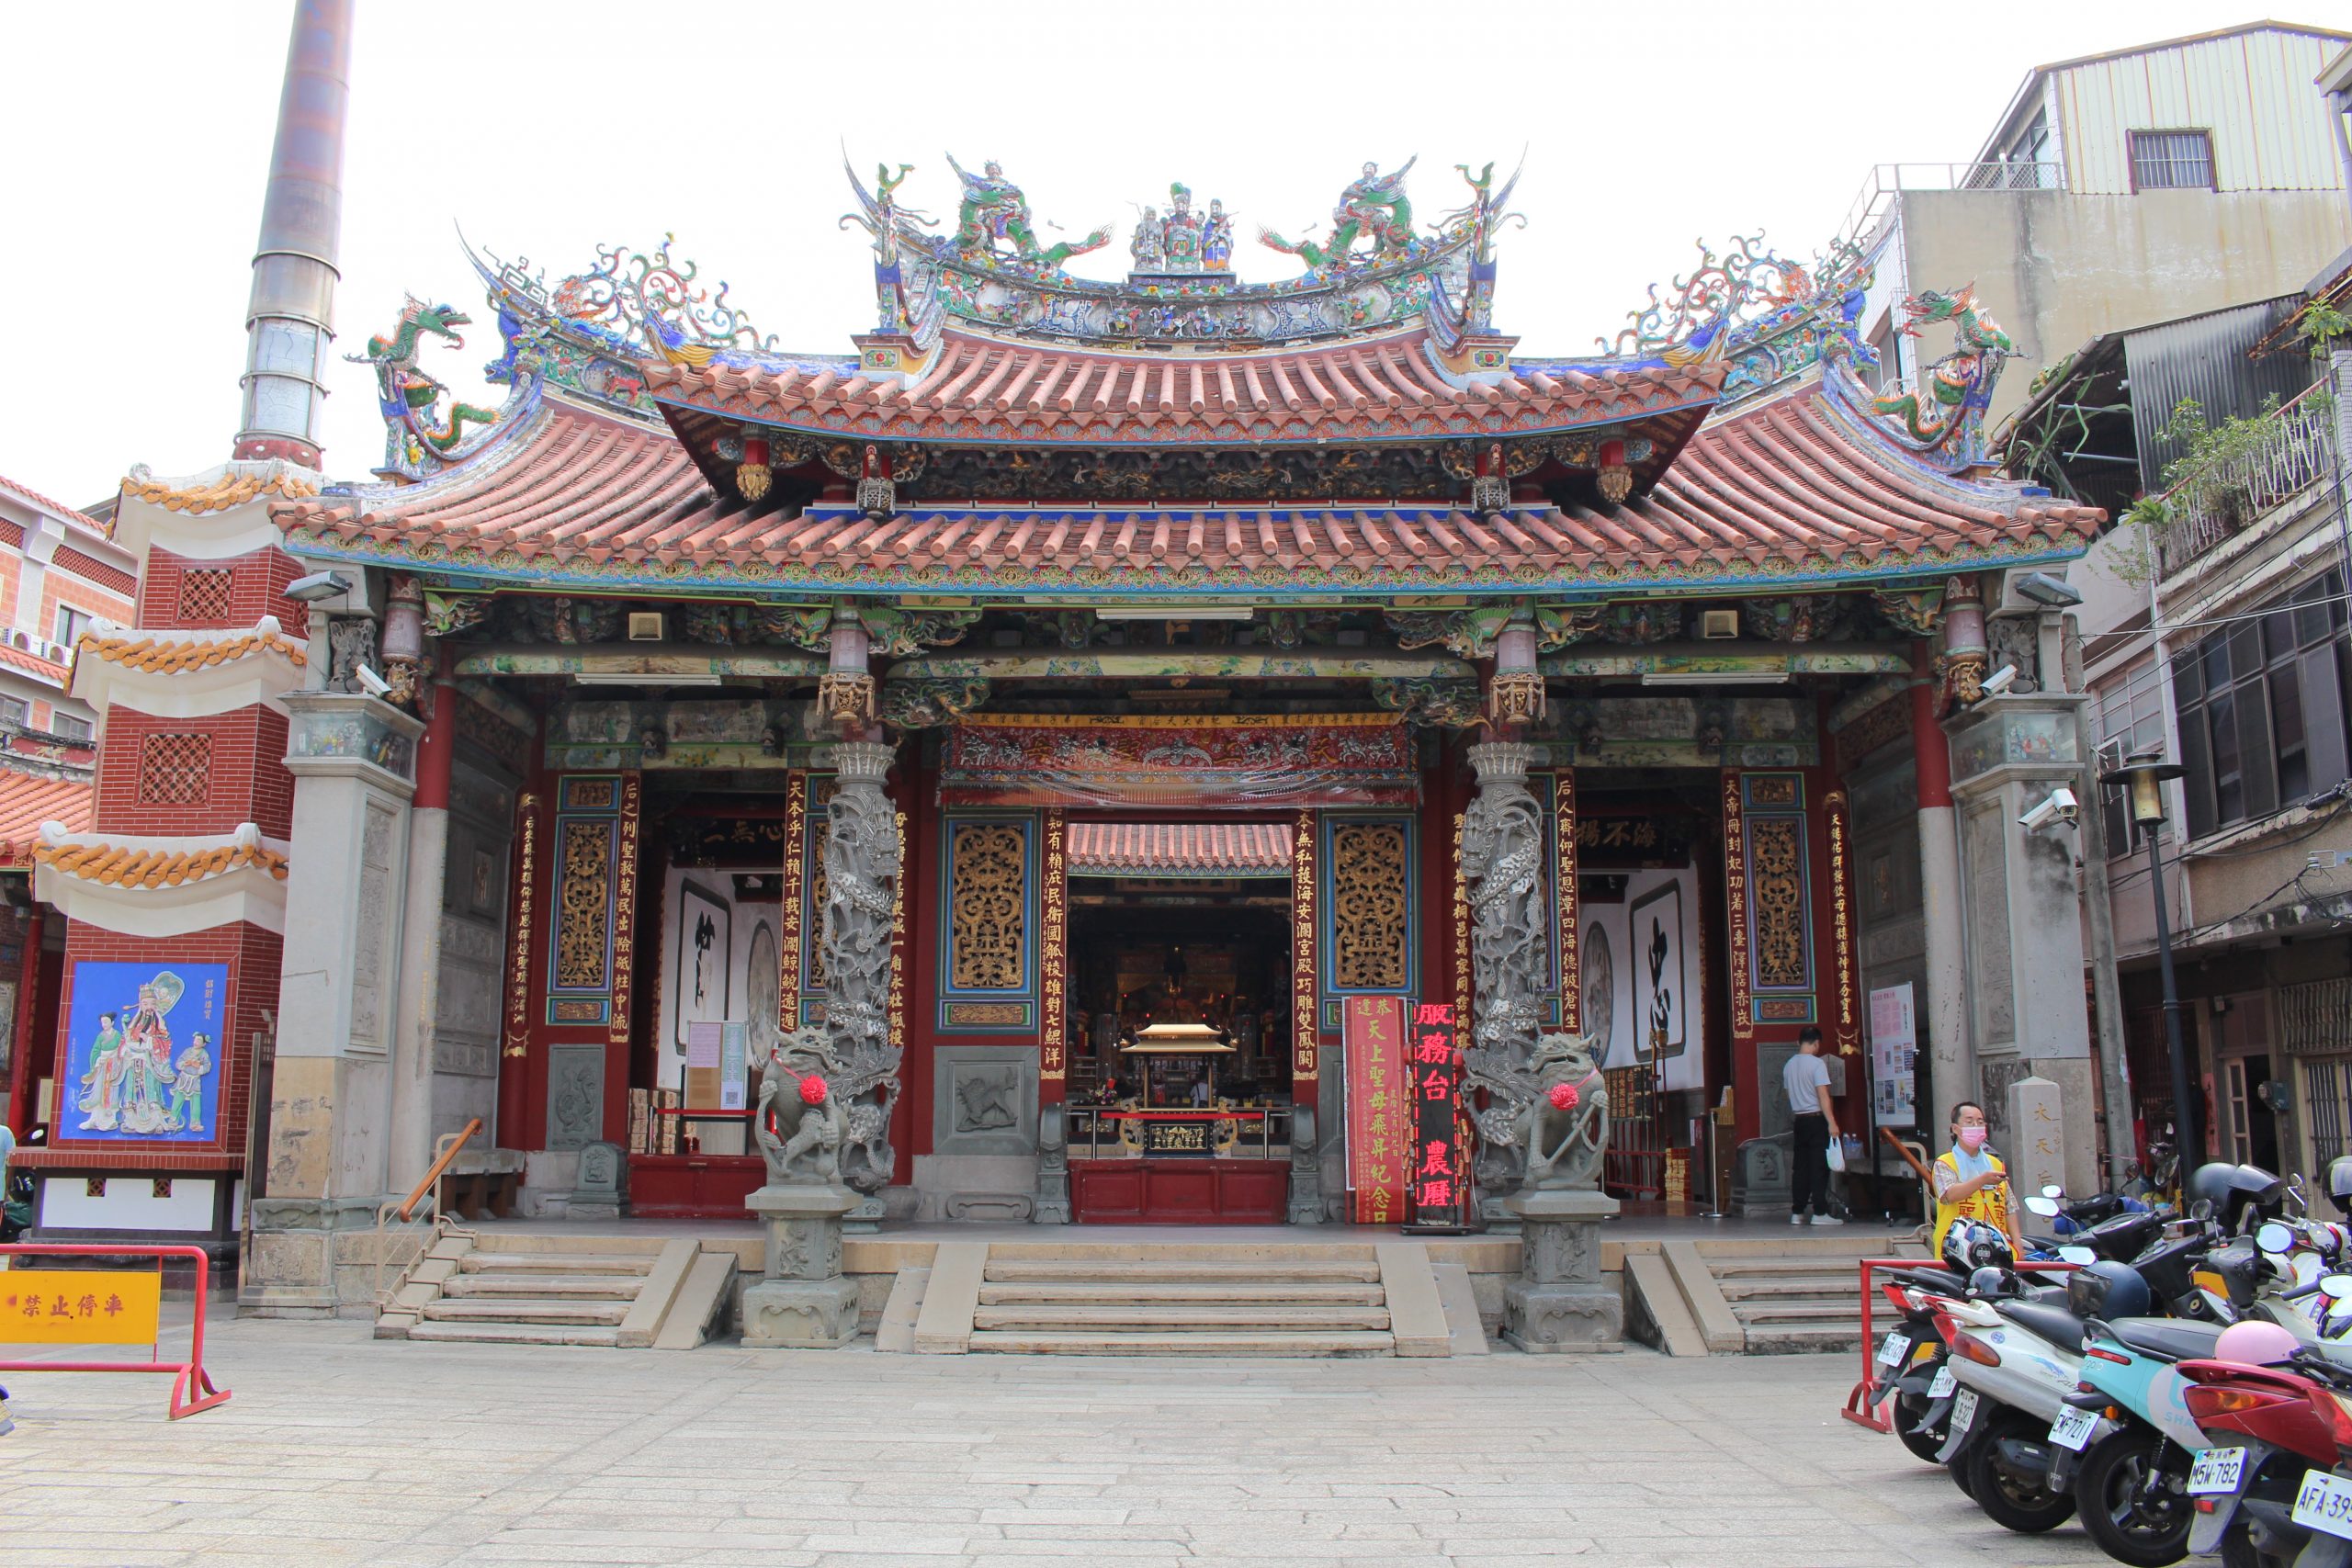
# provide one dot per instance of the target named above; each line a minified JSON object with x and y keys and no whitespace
{"x":1752,"y":1296}
{"x":1371,"y":1298}
{"x":660,"y":1294}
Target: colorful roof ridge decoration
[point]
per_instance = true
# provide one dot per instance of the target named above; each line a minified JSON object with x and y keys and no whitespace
{"x":151,"y":862}
{"x":30,"y":800}
{"x":169,"y":652}
{"x":55,"y":508}
{"x":990,"y":272}
{"x":1797,"y":487}
{"x":1165,"y":849}
{"x":425,"y":427}
{"x":216,"y":490}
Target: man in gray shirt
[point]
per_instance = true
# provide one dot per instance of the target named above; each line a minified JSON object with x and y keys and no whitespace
{"x":1806,"y":1080}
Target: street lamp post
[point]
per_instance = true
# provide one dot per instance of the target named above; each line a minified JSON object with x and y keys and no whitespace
{"x":2144,"y":778}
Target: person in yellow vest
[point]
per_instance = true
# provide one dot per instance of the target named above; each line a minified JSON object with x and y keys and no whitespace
{"x":1971,"y":1182}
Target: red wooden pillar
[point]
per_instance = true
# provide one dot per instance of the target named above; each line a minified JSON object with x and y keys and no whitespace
{"x":20,"y":1052}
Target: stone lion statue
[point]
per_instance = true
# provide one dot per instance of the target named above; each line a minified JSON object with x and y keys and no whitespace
{"x":805,"y":1142}
{"x":1565,"y":1127}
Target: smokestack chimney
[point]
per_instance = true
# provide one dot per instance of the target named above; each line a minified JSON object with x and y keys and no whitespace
{"x":290,"y":318}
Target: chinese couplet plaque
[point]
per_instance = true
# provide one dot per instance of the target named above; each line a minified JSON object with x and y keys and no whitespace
{"x":1379,"y":1100}
{"x":1440,"y":1171}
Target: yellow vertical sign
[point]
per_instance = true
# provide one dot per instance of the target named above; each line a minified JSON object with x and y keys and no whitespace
{"x":74,"y":1306}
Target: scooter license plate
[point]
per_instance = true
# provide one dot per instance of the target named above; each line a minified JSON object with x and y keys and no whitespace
{"x":2216,"y":1471}
{"x":1963,"y":1411}
{"x":1890,"y":1349}
{"x":2325,"y":1504}
{"x":1943,"y":1385}
{"x":2074,"y":1427}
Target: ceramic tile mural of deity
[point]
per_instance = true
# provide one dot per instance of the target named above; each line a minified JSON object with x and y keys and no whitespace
{"x":143,"y":1051}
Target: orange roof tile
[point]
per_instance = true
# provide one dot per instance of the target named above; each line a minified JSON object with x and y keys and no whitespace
{"x":59,"y":508}
{"x":232,"y":488}
{"x":127,"y":865}
{"x":1144,"y":848}
{"x":1788,"y":487}
{"x":170,"y":655}
{"x":984,"y":388}
{"x":28,"y":800}
{"x":32,"y":663}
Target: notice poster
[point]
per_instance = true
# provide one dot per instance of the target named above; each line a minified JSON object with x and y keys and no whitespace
{"x":1373,"y":1031}
{"x":1441,"y":1174}
{"x":706,"y":1041}
{"x":1894,"y":1048}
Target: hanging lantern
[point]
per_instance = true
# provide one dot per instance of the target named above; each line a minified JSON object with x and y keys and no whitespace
{"x":1515,"y":691}
{"x":1616,"y":477}
{"x":753,"y":475}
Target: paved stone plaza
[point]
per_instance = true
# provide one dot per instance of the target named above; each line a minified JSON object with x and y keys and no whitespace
{"x":338,"y":1449}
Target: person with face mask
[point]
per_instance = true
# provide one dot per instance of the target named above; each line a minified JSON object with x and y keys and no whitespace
{"x":1971,"y":1182}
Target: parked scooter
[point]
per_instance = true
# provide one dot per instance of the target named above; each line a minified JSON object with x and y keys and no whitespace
{"x":2268,"y":1485}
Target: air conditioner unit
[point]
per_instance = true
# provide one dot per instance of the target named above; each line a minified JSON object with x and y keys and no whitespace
{"x":1718,"y":626}
{"x":645,"y":626}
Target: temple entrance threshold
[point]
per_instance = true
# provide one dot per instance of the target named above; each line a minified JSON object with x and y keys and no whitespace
{"x":1180,"y":1108}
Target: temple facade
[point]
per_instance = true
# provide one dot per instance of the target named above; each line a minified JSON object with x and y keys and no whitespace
{"x":1071,"y":716}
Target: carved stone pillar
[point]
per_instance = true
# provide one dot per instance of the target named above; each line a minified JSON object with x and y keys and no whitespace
{"x":861,"y":906}
{"x":1502,"y":858}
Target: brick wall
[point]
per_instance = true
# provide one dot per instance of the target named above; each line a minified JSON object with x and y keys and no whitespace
{"x":246,"y":782}
{"x":255,"y":587}
{"x":251,"y":956}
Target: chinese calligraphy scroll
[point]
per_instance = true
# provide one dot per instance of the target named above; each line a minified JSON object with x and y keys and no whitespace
{"x":1379,"y":1131}
{"x":1440,"y":1172}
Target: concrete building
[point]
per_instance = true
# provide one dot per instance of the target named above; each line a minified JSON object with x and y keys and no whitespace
{"x":2138,"y":185}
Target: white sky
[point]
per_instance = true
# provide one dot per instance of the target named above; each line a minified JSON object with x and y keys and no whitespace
{"x":138,"y":140}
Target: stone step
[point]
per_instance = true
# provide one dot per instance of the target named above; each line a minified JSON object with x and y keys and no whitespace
{"x":1138,"y":1292}
{"x":1170,"y":1271}
{"x":1359,"y":1343}
{"x":1821,"y":1286}
{"x":608,"y":1287}
{"x":556,"y":1263}
{"x":519,"y":1312}
{"x":1798,"y":1311}
{"x":1178,"y":1319}
{"x":515,"y":1334}
{"x":1785,"y":1339}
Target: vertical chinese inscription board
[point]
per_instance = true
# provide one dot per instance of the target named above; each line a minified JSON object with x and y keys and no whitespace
{"x":1440,"y":1173}
{"x":1379,"y":1101}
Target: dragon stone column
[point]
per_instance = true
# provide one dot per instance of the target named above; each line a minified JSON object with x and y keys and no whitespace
{"x":1502,"y":858}
{"x":861,"y":901}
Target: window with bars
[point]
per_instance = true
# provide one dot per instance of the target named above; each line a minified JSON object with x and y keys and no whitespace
{"x":2263,"y":723}
{"x":2130,"y":723}
{"x":67,"y":727}
{"x":14,"y":710}
{"x":204,"y":594}
{"x":2172,"y":160}
{"x":175,"y":768}
{"x":2327,"y":1099}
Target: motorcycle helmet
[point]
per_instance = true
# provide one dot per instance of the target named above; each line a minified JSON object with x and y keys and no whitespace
{"x":2108,"y":1289}
{"x":1988,"y":1282}
{"x":2257,"y":1189}
{"x":1972,"y":1245}
{"x":2211,"y":1183}
{"x":2339,"y":1181}
{"x":2255,"y":1343}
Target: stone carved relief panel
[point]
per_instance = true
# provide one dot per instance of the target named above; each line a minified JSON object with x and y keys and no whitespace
{"x":575,"y":1095}
{"x":372,"y":924}
{"x":987,"y":907}
{"x":984,"y":1099}
{"x":1990,"y":983}
{"x":1370,"y":904}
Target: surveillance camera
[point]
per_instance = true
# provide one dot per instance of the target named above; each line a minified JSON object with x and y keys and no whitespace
{"x":317,"y":586}
{"x":1999,"y":681}
{"x":375,"y":684}
{"x":2058,"y":806}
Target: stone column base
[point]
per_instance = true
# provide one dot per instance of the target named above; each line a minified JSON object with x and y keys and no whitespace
{"x":1559,"y":1303}
{"x":314,"y":1258}
{"x":800,"y":1314}
{"x":804,"y":1302}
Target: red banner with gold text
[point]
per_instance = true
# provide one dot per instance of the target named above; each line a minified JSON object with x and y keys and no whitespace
{"x":1379,"y":1128}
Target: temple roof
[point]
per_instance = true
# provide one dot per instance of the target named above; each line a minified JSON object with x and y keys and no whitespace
{"x":28,"y":800}
{"x":1179,"y":849}
{"x":1790,"y":490}
{"x":987,"y":389}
